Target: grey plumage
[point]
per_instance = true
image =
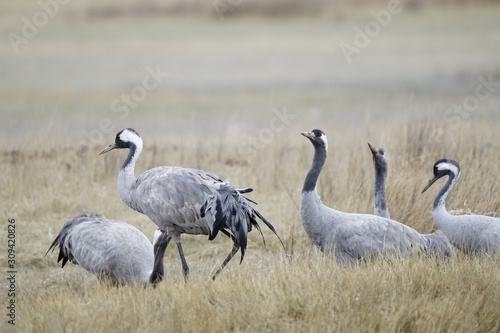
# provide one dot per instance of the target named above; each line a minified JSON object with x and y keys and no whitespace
{"x":349,"y":237}
{"x":435,"y":243}
{"x":110,"y":249}
{"x":182,"y":200}
{"x":473,"y":234}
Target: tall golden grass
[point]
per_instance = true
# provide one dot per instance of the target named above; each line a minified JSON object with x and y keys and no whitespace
{"x":49,"y":177}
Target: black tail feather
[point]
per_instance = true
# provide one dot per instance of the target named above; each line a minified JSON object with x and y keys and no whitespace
{"x":269,"y":225}
{"x":220,"y":220}
{"x":53,"y":246}
{"x":65,"y":254}
{"x":62,"y":255}
{"x":234,"y":212}
{"x":245,"y":190}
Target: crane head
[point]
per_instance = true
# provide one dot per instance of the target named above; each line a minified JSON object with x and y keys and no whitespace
{"x":317,"y":137}
{"x":376,"y":151}
{"x":124,"y":139}
{"x":443,"y":167}
{"x":379,"y":156}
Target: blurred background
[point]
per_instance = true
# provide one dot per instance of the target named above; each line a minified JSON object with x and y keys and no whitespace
{"x":70,"y":65}
{"x":226,"y":86}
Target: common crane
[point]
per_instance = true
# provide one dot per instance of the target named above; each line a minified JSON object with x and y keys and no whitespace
{"x":349,"y":237}
{"x":472,"y":234}
{"x":185,"y":201}
{"x":435,"y":243}
{"x":113,"y":250}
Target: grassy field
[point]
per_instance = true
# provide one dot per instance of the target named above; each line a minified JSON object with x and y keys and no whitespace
{"x":238,"y":93}
{"x":273,"y":289}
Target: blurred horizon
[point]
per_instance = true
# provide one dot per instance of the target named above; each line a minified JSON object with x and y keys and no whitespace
{"x":240,"y":56}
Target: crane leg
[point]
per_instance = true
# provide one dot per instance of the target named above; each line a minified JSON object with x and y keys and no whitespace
{"x":160,"y":247}
{"x":230,"y":255}
{"x":185,"y":267}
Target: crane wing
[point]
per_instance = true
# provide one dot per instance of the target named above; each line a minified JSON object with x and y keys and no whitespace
{"x":361,"y":235}
{"x":105,"y":247}
{"x":173,"y":198}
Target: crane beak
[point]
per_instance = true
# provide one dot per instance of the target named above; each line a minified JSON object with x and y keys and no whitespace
{"x":431,"y":181}
{"x":308,"y":135}
{"x":108,"y":148}
{"x":372,"y":148}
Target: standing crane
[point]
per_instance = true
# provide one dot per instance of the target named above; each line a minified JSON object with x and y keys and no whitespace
{"x":349,"y":237}
{"x":435,"y":243}
{"x":185,"y":201}
{"x":113,"y":250}
{"x":472,"y":234}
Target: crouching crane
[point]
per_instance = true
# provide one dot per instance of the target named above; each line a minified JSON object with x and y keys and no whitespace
{"x":113,"y":250}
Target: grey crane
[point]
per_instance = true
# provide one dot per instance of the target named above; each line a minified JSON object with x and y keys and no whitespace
{"x":435,"y":243}
{"x":349,"y":237}
{"x":113,"y":250}
{"x":183,"y":200}
{"x":380,"y":162}
{"x":472,"y":234}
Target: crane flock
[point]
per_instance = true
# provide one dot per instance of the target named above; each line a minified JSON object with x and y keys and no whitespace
{"x":349,"y":237}
{"x":435,"y":243}
{"x":189,"y":201}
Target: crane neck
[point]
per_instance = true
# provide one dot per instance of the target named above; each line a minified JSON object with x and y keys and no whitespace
{"x":134,"y":152}
{"x":380,"y":199}
{"x":126,"y":176}
{"x":317,"y":164}
{"x":440,"y":201}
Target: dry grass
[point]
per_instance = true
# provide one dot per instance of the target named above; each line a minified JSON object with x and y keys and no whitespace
{"x":273,"y":290}
{"x":300,"y":296}
{"x":226,"y":79}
